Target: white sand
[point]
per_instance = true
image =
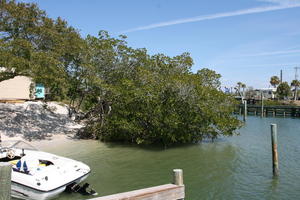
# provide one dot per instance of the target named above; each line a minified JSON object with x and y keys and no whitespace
{"x":31,"y":122}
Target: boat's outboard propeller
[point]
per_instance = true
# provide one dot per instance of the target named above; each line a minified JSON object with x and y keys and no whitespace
{"x":84,"y":189}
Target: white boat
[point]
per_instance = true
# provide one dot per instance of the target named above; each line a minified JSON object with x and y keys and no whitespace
{"x":38,"y":175}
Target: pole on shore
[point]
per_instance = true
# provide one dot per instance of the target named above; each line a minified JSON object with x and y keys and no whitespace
{"x":262,"y":105}
{"x":274,"y":150}
{"x":245,"y":110}
{"x":5,"y":180}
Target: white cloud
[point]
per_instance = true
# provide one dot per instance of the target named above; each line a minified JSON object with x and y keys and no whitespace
{"x":280,"y":5}
{"x":282,"y":2}
{"x":272,"y":53}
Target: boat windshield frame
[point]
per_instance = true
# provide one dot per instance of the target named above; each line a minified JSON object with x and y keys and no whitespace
{"x":17,"y":144}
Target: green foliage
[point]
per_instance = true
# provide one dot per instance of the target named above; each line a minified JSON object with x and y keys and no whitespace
{"x":125,"y":93}
{"x":295,"y":84}
{"x":283,"y":90}
{"x":154,"y":99}
{"x":274,"y":81}
{"x":34,"y":45}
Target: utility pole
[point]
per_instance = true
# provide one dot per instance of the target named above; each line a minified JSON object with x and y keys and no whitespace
{"x":296,"y":72}
{"x":296,"y":78}
{"x":281,"y":76}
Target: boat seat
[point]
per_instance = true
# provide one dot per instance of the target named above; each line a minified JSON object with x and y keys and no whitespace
{"x":14,"y":162}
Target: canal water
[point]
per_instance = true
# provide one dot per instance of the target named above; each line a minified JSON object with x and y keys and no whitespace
{"x":238,"y":167}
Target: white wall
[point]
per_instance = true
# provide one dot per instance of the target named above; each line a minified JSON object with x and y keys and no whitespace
{"x":15,"y":88}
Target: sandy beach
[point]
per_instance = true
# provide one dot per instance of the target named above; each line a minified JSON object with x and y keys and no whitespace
{"x":42,"y":125}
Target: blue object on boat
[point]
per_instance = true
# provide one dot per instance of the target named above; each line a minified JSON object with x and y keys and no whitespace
{"x":25,"y":168}
{"x":39,"y":91}
{"x":19,"y":165}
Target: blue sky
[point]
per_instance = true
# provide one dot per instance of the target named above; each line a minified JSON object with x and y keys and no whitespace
{"x":243,"y":40}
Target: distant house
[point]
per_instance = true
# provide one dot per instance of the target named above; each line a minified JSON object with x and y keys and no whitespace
{"x":18,"y":88}
{"x":268,"y":93}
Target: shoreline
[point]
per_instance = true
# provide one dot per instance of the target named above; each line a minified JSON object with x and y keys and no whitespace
{"x":54,"y":140}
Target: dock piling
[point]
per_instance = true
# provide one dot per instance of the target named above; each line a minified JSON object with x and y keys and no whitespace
{"x":177,"y":177}
{"x":262,"y":105}
{"x":245,"y":110}
{"x":274,"y":150}
{"x":5,"y":181}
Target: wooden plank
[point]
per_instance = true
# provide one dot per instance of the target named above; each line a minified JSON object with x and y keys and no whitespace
{"x":5,"y":181}
{"x":162,"y":192}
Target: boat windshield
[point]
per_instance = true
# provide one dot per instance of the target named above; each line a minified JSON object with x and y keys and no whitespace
{"x":18,"y":144}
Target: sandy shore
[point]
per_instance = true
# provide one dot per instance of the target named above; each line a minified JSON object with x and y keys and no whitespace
{"x":41,"y":125}
{"x":56,"y":140}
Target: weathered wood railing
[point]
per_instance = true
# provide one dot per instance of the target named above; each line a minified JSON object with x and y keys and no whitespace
{"x":175,"y":191}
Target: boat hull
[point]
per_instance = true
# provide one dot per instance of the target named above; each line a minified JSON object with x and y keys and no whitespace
{"x":23,"y":192}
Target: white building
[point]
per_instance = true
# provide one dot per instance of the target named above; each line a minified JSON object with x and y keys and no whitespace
{"x":268,"y":93}
{"x":17,"y":88}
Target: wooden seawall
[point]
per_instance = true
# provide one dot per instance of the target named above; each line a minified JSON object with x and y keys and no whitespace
{"x":280,"y":110}
{"x":175,"y":191}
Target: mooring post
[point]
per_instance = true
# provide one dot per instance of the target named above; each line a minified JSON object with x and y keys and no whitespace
{"x":262,"y":105}
{"x":274,"y":150}
{"x":178,"y":178}
{"x":245,"y":110}
{"x":5,"y":181}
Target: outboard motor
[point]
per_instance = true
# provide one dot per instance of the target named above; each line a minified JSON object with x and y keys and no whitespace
{"x":84,"y":189}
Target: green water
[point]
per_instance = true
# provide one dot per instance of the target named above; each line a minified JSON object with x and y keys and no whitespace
{"x":231,"y":168}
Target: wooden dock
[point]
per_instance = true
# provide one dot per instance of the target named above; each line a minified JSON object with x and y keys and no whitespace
{"x":162,"y":192}
{"x":174,"y":191}
{"x":280,"y":110}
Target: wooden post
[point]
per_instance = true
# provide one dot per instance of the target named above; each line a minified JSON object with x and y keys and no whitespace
{"x":262,"y":105}
{"x":178,"y":178}
{"x":5,"y":180}
{"x":245,"y":110}
{"x":274,"y":150}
